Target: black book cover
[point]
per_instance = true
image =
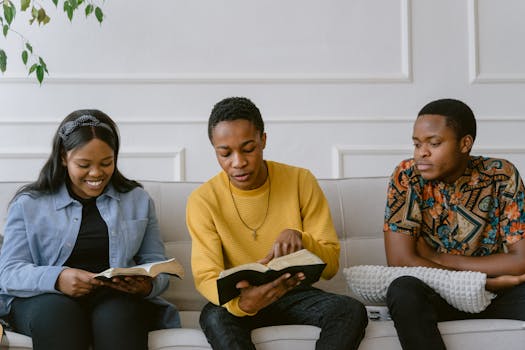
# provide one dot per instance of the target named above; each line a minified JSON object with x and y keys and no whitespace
{"x":226,"y":285}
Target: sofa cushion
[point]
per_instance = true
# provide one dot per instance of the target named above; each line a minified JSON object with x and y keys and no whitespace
{"x":464,"y":335}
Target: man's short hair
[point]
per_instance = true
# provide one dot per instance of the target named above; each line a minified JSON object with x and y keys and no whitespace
{"x":233,"y":108}
{"x":459,"y":116}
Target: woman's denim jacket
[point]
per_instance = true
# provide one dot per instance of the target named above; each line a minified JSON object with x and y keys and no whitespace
{"x":41,"y":231}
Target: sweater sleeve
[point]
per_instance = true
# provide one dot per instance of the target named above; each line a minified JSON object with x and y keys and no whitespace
{"x":319,"y":234}
{"x":207,"y":259}
{"x":206,"y":250}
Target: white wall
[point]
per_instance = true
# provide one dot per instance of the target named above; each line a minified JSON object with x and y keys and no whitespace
{"x":339,"y":82}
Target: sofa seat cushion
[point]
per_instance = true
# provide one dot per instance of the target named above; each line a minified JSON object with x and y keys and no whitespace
{"x":16,"y":341}
{"x":463,"y":334}
{"x":177,"y":339}
{"x":292,"y":337}
{"x":289,"y":337}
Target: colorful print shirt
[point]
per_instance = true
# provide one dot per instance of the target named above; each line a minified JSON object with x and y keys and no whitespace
{"x":477,"y":215}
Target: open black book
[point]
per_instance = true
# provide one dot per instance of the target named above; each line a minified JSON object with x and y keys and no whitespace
{"x":301,"y":261}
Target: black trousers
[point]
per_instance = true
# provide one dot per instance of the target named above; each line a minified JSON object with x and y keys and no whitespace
{"x":342,"y":320}
{"x":105,"y":320}
{"x":416,"y":309}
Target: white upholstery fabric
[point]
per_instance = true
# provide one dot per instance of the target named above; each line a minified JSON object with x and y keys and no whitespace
{"x":465,"y":290}
{"x":357,"y":207}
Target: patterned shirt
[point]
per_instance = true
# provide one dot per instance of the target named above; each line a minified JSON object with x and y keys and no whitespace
{"x":477,"y":215}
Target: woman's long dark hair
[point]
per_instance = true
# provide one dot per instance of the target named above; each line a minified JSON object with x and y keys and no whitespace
{"x":54,"y":173}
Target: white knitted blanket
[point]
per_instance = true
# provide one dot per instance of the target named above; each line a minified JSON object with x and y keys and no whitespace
{"x":465,"y":290}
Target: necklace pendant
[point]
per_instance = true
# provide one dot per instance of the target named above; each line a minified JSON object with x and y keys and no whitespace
{"x":254,"y":234}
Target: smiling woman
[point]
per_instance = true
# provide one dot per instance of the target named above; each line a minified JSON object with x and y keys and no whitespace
{"x":81,"y":217}
{"x":90,"y":168}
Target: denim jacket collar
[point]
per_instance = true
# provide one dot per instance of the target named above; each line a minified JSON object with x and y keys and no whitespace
{"x":63,"y":199}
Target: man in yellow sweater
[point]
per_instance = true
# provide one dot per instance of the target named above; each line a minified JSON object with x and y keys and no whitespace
{"x":257,"y":210}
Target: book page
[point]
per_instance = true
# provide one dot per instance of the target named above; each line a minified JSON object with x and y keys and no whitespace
{"x":171,"y":266}
{"x":299,"y":258}
{"x":250,"y":266}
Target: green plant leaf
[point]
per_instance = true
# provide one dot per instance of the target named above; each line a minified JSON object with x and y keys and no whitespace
{"x":3,"y":61}
{"x":99,"y":14}
{"x":24,"y":4}
{"x":68,"y":9}
{"x":25,"y":56}
{"x":9,"y":11}
{"x":41,"y":15}
{"x":29,"y":47}
{"x":70,"y":13}
{"x":33,"y":68}
{"x":34,"y":15}
{"x":55,"y":2}
{"x":5,"y":29}
{"x":89,"y":9}
{"x":43,"y":64}
{"x":40,"y":74}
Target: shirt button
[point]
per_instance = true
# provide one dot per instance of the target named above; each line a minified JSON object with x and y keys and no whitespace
{"x":75,"y":219}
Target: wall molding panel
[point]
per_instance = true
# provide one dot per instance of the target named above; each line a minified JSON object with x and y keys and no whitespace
{"x":387,"y":157}
{"x":476,"y":76}
{"x":344,"y":155}
{"x":140,"y":165}
{"x":166,"y":120}
{"x":163,"y":165}
{"x":403,"y":75}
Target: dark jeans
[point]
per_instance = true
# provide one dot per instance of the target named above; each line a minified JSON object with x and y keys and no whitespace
{"x":342,"y":320}
{"x":416,"y":309}
{"x":104,"y":320}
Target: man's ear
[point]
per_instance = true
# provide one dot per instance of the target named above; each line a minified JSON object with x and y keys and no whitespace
{"x":466,"y":144}
{"x":263,"y":140}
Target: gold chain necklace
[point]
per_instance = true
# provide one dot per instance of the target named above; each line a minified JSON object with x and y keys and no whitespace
{"x":253,"y":230}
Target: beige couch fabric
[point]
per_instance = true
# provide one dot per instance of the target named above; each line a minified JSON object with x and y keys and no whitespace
{"x":357,"y":206}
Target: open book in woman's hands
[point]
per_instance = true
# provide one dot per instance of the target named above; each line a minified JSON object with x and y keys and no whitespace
{"x":170,"y":266}
{"x":257,"y":274}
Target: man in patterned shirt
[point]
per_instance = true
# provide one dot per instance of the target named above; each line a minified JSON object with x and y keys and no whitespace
{"x":450,"y":210}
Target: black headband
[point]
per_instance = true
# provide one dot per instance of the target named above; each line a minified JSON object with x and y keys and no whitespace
{"x":83,"y":120}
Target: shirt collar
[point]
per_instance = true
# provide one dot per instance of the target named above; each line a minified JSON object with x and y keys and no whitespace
{"x":63,"y":199}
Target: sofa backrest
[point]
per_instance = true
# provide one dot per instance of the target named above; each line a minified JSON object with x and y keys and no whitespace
{"x":357,"y":207}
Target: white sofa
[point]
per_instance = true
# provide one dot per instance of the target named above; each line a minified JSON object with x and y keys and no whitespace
{"x":357,"y":206}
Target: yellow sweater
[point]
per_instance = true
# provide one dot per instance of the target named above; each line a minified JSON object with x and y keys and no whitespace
{"x":220,"y":240}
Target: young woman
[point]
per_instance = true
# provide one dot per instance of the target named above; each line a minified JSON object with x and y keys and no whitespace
{"x":80,"y":217}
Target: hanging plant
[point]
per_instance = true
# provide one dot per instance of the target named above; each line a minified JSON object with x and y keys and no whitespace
{"x":8,"y":13}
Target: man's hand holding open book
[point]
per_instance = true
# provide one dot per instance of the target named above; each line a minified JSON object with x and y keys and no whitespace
{"x":259,"y":285}
{"x":254,"y":298}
